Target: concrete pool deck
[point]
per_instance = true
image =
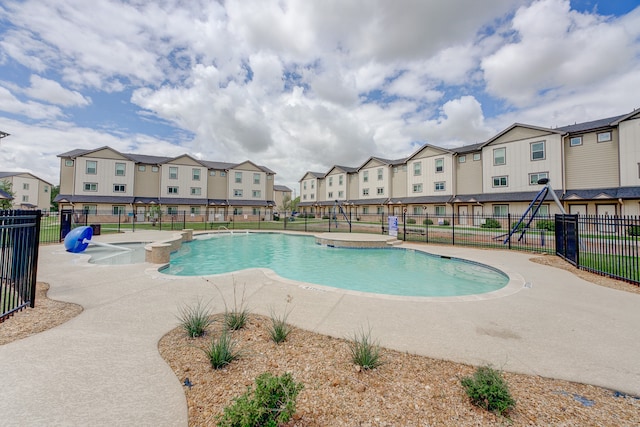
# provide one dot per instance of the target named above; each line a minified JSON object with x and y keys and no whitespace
{"x":102,"y":368}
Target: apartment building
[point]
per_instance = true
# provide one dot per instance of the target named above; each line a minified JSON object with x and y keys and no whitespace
{"x":105,"y":180}
{"x":593,"y":167}
{"x":29,"y":191}
{"x":280,"y":194}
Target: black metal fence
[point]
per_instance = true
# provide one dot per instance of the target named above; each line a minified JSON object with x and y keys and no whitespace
{"x":605,"y":245}
{"x":19,"y":242}
{"x":608,"y":245}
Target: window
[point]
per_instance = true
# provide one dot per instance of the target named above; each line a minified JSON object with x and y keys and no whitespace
{"x":46,"y":188}
{"x":462,"y":159}
{"x":500,"y":181}
{"x":380,"y":174}
{"x":417,"y":188}
{"x":195,"y":210}
{"x":340,"y":194}
{"x":417,"y":210}
{"x":255,"y":211}
{"x":535,"y":177}
{"x":256,"y":194}
{"x":395,"y":169}
{"x":312,"y":184}
{"x":172,"y":210}
{"x":330,"y":181}
{"x":119,"y":188}
{"x":172,"y":190}
{"x":196,"y":191}
{"x":237,"y":211}
{"x":439,"y":165}
{"x":365,"y":210}
{"x":212,"y":173}
{"x":173,"y":173}
{"x":537,"y":150}
{"x":365,"y":176}
{"x":90,"y":209}
{"x":304,"y":185}
{"x":304,"y":197}
{"x":238,"y":177}
{"x":330,"y":194}
{"x":25,"y":198}
{"x":417,"y":169}
{"x":25,"y":186}
{"x":441,"y":210}
{"x":155,"y":168}
{"x":499,"y":156}
{"x":340,"y":179}
{"x":269,"y":177}
{"x":68,"y":163}
{"x":379,"y":210}
{"x":543,"y":211}
{"x":380,"y":191}
{"x":256,"y":178}
{"x":500,"y":210}
{"x":223,"y":173}
{"x":476,"y":157}
{"x":92,"y":167}
{"x":313,"y":196}
{"x":90,"y":186}
{"x":195,"y":174}
{"x":237,"y":193}
{"x":439,"y":186}
{"x":120,"y":169}
{"x":365,"y":191}
{"x":575,"y":141}
{"x":604,"y":136}
{"x":142,"y":168}
{"x":117,"y":209}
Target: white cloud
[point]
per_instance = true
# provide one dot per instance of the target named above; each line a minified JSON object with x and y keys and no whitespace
{"x":560,"y":48}
{"x":30,"y":109}
{"x":52,"y":92}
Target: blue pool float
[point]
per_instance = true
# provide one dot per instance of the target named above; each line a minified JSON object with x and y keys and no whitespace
{"x":78,"y":239}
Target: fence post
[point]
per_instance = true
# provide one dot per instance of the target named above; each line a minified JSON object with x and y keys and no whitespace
{"x":509,"y":225}
{"x":453,"y":229}
{"x":119,"y":214}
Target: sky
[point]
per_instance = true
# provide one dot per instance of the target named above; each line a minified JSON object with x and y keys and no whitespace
{"x":299,"y":85}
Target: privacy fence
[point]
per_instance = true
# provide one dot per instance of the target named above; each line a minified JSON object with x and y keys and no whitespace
{"x":19,"y":233}
{"x":605,"y":245}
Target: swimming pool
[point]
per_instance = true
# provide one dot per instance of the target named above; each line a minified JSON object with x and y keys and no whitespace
{"x":391,"y":271}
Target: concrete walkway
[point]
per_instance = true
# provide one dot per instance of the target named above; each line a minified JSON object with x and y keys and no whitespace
{"x":102,"y":368}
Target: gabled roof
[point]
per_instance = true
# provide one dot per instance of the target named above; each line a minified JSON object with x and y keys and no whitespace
{"x":558,"y":131}
{"x":593,"y":125}
{"x":144,"y":158}
{"x":347,"y":169}
{"x":9,"y":174}
{"x":317,"y":175}
{"x":383,"y":161}
{"x":171,"y":159}
{"x":218,"y":165}
{"x":283,"y":188}
{"x":5,"y":196}
{"x":614,"y":193}
{"x":427,"y":145}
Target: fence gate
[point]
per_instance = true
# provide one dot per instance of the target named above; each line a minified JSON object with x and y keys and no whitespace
{"x":567,"y":237}
{"x":19,"y":240}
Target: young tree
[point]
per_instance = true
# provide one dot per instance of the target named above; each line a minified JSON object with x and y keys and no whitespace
{"x":6,"y":203}
{"x":55,"y":190}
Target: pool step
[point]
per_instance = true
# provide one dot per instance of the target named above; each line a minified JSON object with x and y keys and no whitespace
{"x":394,"y":242}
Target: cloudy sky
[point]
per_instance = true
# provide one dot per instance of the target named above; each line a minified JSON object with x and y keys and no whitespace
{"x":299,"y":85}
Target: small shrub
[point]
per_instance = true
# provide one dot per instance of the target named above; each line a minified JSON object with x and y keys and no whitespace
{"x":520,"y":227}
{"x":633,"y":230}
{"x":446,"y":222}
{"x":279,"y":330}
{"x":364,"y":352}
{"x":411,"y":220}
{"x":222,"y":351}
{"x":237,"y":317}
{"x":487,"y":389}
{"x":427,"y":222}
{"x":491,"y":223}
{"x":272,"y":403}
{"x":546,"y":224}
{"x":325,"y":216}
{"x":195,"y":319}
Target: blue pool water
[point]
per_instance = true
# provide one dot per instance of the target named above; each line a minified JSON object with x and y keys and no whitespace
{"x":391,"y":271}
